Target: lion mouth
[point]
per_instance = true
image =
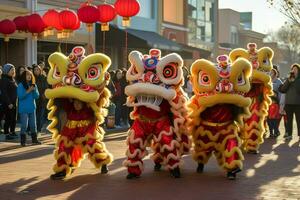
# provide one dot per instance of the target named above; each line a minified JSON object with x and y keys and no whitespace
{"x":87,"y":95}
{"x":148,"y":95}
{"x":154,"y":100}
{"x":220,"y":113}
{"x":149,"y":101}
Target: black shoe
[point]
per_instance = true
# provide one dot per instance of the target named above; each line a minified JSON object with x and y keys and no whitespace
{"x":232,"y":174}
{"x":23,"y":140}
{"x":9,"y":137}
{"x":34,"y":139}
{"x":14,"y":135}
{"x":175,"y":172}
{"x":157,"y":167}
{"x":200,"y":168}
{"x":287,"y":137}
{"x":104,"y":169}
{"x":132,"y":176}
{"x":58,"y":175}
{"x":252,"y":151}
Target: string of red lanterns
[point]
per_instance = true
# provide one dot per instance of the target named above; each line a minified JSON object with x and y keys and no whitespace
{"x":7,"y":27}
{"x":51,"y":20}
{"x":36,"y":25}
{"x":127,"y":9}
{"x":67,"y":21}
{"x":107,"y":13}
{"x":21,"y":23}
{"x":89,"y":15}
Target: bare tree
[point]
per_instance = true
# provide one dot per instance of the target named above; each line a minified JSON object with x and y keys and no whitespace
{"x":290,"y":8}
{"x":288,"y":38}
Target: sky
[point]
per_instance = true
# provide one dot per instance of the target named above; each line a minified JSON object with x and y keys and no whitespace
{"x":264,"y":18}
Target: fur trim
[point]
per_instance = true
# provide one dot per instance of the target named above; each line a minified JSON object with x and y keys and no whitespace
{"x":139,"y":164}
{"x":135,"y":58}
{"x":149,"y":89}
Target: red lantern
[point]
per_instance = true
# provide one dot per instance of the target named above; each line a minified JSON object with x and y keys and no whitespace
{"x":77,"y":25}
{"x":68,"y":20}
{"x":21,"y":23}
{"x":88,"y":14}
{"x":35,"y":25}
{"x":7,"y":27}
{"x":106,"y":14}
{"x":51,"y":20}
{"x":127,"y":9}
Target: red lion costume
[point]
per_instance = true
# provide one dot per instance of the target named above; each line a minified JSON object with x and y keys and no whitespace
{"x":159,"y":111}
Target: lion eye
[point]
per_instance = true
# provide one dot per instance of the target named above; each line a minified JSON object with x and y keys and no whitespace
{"x":170,"y":71}
{"x":56,"y":73}
{"x":241,"y":79}
{"x":94,"y":72}
{"x":204,"y":78}
{"x":266,"y":62}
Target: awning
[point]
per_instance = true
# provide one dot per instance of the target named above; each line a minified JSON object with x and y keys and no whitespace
{"x":199,"y":53}
{"x":137,"y":39}
{"x":155,"y":40}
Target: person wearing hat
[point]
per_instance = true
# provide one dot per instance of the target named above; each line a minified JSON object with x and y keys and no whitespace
{"x":8,"y":90}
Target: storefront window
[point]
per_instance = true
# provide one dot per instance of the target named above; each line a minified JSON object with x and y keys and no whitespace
{"x":173,"y":11}
{"x":201,"y":19}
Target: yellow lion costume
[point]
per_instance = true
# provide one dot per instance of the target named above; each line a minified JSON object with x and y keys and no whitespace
{"x":76,"y":103}
{"x":217,"y":109}
{"x":261,"y":90}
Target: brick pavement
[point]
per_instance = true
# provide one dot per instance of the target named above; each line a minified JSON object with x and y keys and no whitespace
{"x":273,"y":174}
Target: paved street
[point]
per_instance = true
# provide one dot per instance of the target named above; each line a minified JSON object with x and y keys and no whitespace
{"x":274,"y":174}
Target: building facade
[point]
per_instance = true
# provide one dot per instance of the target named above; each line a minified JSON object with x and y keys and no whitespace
{"x":188,"y":27}
{"x":235,"y":31}
{"x":23,"y":49}
{"x":203,"y":25}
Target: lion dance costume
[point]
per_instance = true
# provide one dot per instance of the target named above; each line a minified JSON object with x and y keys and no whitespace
{"x":216,"y":111}
{"x":261,"y":90}
{"x":159,"y":112}
{"x":76,"y":103}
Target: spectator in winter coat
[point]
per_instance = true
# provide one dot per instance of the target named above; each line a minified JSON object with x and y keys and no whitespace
{"x":291,"y":87}
{"x":8,"y":88}
{"x":27,"y":94}
{"x":41,"y":102}
{"x":1,"y":107}
{"x":20,"y":71}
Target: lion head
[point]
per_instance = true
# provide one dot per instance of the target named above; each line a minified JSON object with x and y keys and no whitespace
{"x":219,"y":85}
{"x":77,"y":77}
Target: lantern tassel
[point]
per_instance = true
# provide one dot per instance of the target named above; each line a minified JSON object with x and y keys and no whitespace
{"x":103,"y":39}
{"x":126,"y":21}
{"x":51,"y":31}
{"x":6,"y":38}
{"x":6,"y":48}
{"x":105,"y":27}
{"x":89,"y":27}
{"x":126,"y":47}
